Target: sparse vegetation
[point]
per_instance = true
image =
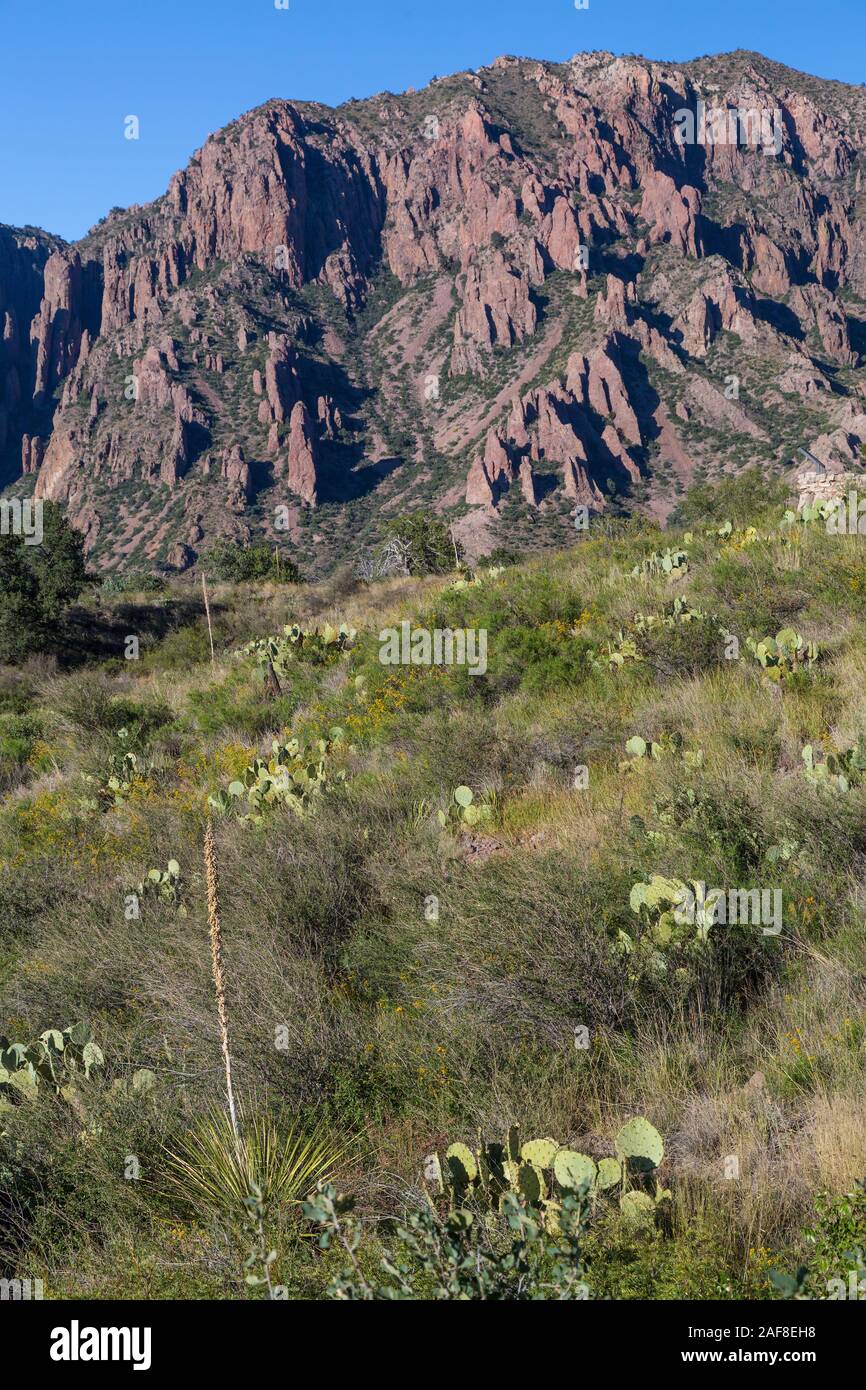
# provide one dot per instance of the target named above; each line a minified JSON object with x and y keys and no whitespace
{"x":448,"y":902}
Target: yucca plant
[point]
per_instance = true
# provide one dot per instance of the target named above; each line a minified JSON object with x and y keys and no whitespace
{"x":216,"y":1171}
{"x":239,"y":1178}
{"x":233,"y":1166}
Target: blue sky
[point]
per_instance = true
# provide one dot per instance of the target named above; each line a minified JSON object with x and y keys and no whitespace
{"x":72,"y":71}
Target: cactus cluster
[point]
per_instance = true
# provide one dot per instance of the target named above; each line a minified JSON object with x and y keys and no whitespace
{"x":114,"y":786}
{"x":321,"y":647}
{"x":474,"y":580}
{"x":671,"y":563}
{"x":541,"y":1172}
{"x":677,"y":613}
{"x":812,"y":512}
{"x":734,"y":538}
{"x":641,"y":750}
{"x":659,"y":904}
{"x":163,"y":883}
{"x":54,"y":1060}
{"x":783,"y":654}
{"x":295,"y":776}
{"x":463,"y":809}
{"x":840,"y":770}
{"x":612,"y":656}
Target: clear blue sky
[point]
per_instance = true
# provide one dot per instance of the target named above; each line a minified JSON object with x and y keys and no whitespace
{"x":73,"y":69}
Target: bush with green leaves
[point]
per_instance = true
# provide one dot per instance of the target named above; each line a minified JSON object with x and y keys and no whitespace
{"x":255,"y":563}
{"x":424,"y":542}
{"x":295,"y":777}
{"x":132,"y":582}
{"x":746,"y":498}
{"x":511,"y":1257}
{"x":38,"y":583}
{"x":836,"y":1250}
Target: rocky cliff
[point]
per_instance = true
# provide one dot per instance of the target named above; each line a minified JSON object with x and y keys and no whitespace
{"x":523,"y":289}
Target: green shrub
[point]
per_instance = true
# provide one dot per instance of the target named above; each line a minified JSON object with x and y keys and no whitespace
{"x":251,"y":563}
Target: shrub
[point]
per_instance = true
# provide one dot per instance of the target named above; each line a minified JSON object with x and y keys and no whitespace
{"x":251,"y":563}
{"x":425,"y":543}
{"x":458,"y":1258}
{"x":37,"y":583}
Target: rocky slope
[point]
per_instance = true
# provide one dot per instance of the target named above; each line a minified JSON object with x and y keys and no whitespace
{"x":515,"y":292}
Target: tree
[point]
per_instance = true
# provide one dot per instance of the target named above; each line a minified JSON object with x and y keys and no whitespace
{"x":425,"y":541}
{"x":239,"y":563}
{"x":37,"y":583}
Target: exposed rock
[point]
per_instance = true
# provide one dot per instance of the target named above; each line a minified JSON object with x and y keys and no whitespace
{"x":236,"y":471}
{"x":672,"y":213}
{"x":56,"y":330}
{"x":282,"y":386}
{"x":32,"y":453}
{"x":572,"y":172}
{"x":496,"y":312}
{"x":180,"y":556}
{"x":818,"y":309}
{"x":302,"y":476}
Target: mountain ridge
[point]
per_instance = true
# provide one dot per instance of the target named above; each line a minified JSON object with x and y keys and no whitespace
{"x":333,"y":314}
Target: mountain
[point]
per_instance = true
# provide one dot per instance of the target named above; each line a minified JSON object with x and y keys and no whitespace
{"x":522,"y":290}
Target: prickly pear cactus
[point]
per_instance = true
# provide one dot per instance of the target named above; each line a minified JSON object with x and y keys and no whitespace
{"x":572,"y":1170}
{"x":539,"y":1151}
{"x":638,"y":1208}
{"x":640,"y":1145}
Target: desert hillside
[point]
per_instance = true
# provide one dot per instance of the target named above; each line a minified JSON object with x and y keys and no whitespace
{"x":436,"y":902}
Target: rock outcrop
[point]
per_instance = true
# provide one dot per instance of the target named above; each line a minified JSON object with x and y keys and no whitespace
{"x":524,"y":267}
{"x":302,"y":473}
